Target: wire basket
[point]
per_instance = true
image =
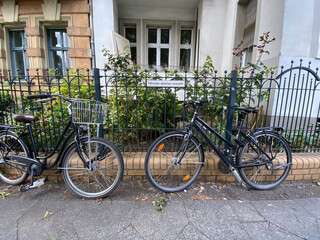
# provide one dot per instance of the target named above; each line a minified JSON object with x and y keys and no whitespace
{"x":88,"y":111}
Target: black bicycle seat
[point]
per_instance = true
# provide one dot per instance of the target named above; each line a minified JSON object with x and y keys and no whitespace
{"x":248,"y":110}
{"x":25,"y":118}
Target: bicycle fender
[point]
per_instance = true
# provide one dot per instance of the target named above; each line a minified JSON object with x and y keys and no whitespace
{"x":274,"y":131}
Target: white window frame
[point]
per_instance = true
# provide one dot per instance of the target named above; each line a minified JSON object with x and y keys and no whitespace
{"x":175,"y":39}
{"x":131,"y":43}
{"x":158,"y":45}
{"x":133,"y":23}
{"x":186,"y":46}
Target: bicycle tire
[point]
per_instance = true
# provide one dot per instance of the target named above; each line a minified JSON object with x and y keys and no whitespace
{"x":260,"y":177}
{"x":105,"y":180}
{"x":159,"y":165}
{"x":11,"y":173}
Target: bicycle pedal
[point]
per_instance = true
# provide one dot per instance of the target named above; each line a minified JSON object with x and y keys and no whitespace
{"x":38,"y":183}
{"x":24,"y":188}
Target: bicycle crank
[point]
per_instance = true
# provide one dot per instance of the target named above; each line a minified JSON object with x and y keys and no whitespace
{"x":31,"y":164}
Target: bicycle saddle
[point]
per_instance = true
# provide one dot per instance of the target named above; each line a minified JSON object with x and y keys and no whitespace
{"x":25,"y":118}
{"x":248,"y":110}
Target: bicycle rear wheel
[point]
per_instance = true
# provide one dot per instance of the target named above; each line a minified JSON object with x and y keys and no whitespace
{"x":161,"y":165}
{"x":273,"y":152}
{"x":102,"y":176}
{"x":11,"y":171}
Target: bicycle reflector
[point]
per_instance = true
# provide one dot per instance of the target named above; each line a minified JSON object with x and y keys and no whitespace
{"x":186,"y":178}
{"x":160,"y":147}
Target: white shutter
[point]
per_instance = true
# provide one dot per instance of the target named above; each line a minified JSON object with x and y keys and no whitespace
{"x":250,"y":21}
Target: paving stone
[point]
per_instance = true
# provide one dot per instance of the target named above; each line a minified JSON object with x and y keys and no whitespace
{"x":50,"y":220}
{"x":266,"y":231}
{"x":191,"y":233}
{"x":215,"y":219}
{"x":152,"y":224}
{"x":310,"y":204}
{"x":103,"y":221}
{"x":129,"y":233}
{"x":290,"y":217}
{"x":245,"y":211}
{"x":11,"y":212}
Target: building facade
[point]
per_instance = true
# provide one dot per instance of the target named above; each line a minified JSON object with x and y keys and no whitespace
{"x":177,"y":34}
{"x":47,"y":34}
{"x":183,"y":32}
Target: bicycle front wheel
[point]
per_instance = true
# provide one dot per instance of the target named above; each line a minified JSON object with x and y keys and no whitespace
{"x":11,"y":171}
{"x":103,"y":174}
{"x":167,"y":168}
{"x":272,"y":155}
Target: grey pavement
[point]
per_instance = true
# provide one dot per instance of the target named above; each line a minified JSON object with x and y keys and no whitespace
{"x":205,"y":211}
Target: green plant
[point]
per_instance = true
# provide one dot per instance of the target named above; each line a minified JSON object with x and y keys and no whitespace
{"x":52,"y":114}
{"x":317,"y":181}
{"x":304,"y":139}
{"x":132,"y":104}
{"x":160,"y":203}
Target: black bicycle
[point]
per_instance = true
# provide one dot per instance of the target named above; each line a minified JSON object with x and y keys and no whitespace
{"x":92,"y":167}
{"x":263,"y":159}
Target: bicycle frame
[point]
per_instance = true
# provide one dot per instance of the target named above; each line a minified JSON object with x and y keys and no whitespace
{"x":197,"y":123}
{"x":60,"y":140}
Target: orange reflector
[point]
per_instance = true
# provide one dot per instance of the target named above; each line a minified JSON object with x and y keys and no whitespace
{"x":186,"y":178}
{"x":160,"y":147}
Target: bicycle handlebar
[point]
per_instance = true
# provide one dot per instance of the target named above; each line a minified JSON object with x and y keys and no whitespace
{"x":36,"y":96}
{"x":47,"y":96}
{"x":197,"y":102}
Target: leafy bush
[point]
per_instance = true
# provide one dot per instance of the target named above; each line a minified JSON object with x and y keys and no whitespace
{"x":132,"y":104}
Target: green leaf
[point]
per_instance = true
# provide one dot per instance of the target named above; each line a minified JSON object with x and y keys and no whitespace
{"x":46,"y":214}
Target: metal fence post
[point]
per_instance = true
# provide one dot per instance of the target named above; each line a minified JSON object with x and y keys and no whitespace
{"x":232,"y":99}
{"x":97,"y":87}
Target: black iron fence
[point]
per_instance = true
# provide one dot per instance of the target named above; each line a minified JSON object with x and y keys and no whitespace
{"x":145,"y":104}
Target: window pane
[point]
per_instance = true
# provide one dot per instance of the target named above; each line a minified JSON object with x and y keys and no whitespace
{"x":164,"y":59}
{"x":67,"y":60}
{"x":131,"y":34}
{"x":17,"y":38}
{"x":134,"y":55}
{"x":165,"y":35}
{"x":65,"y":39}
{"x":152,"y":56}
{"x":57,"y":60}
{"x":185,"y":57}
{"x":55,"y":38}
{"x":186,"y":36}
{"x":152,"y":35}
{"x":19,"y":62}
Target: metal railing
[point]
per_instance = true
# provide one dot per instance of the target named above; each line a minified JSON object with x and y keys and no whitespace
{"x":140,"y":110}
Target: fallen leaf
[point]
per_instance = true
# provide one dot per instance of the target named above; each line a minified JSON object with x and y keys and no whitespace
{"x":46,"y":214}
{"x":99,"y":201}
{"x":144,"y":198}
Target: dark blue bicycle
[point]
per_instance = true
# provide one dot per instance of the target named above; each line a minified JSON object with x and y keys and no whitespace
{"x":261,"y":160}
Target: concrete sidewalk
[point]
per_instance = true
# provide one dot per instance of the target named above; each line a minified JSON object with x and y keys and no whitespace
{"x":205,"y":211}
